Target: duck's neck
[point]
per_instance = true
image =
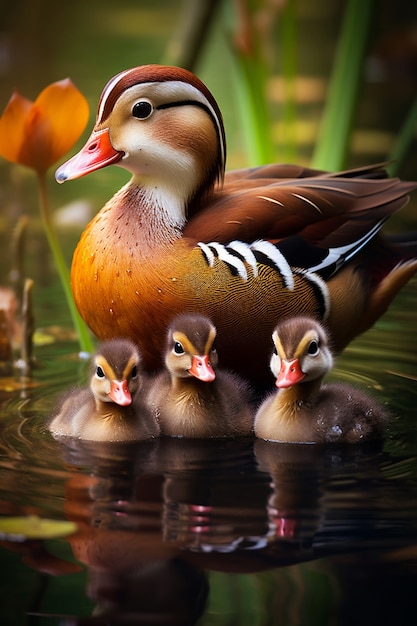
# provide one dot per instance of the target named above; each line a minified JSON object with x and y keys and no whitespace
{"x":160,"y":215}
{"x":190,"y":386}
{"x":108,"y":411}
{"x":294,"y":399}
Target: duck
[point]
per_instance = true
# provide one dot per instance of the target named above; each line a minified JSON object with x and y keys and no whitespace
{"x":245,"y":247}
{"x":304,"y":410}
{"x":111,"y":408}
{"x":191,"y":397}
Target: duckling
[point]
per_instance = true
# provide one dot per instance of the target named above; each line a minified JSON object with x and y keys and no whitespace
{"x":189,"y":398}
{"x":111,"y":409}
{"x":304,"y":410}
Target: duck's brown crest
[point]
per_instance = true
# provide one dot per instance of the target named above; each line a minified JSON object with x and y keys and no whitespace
{"x":162,"y":73}
{"x":198,"y":328}
{"x":118,"y":353}
{"x":148,"y":74}
{"x":293,"y":329}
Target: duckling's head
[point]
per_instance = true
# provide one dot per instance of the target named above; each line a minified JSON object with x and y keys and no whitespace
{"x":115,"y":376}
{"x":301,"y":351}
{"x":191,"y":347}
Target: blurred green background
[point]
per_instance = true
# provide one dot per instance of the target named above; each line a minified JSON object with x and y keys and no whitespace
{"x":288,"y":48}
{"x":329,"y":83}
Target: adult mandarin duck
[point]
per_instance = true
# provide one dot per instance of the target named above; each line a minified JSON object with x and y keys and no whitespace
{"x":112,"y":407}
{"x":246,"y":248}
{"x":304,"y":410}
{"x":192,"y":397}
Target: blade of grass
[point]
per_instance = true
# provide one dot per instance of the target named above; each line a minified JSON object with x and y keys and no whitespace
{"x":251,"y":74}
{"x":84,"y":336}
{"x":337,"y":121}
{"x":288,"y":39}
{"x":186,"y":45}
{"x":250,"y":80}
{"x":403,"y":141}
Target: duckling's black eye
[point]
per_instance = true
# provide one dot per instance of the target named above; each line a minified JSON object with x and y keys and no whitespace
{"x":178,"y":349}
{"x":142,"y":109}
{"x":99,"y":372}
{"x":134,"y":372}
{"x":313,"y":348}
{"x":275,"y":351}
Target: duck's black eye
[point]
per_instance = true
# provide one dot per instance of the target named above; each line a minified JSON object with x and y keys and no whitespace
{"x":142,"y":109}
{"x":134,"y":372}
{"x":313,"y":348}
{"x":275,"y":351}
{"x":99,"y":372}
{"x":178,"y":349}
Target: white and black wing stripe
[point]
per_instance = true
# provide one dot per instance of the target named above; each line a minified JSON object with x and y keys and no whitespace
{"x":287,"y":256}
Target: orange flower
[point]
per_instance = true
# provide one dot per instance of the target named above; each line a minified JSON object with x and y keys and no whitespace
{"x":37,"y":134}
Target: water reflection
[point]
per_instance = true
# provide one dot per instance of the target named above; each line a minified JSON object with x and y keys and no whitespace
{"x":235,"y":530}
{"x":155,"y":518}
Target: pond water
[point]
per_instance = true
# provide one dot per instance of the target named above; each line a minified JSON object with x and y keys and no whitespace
{"x":216,"y":532}
{"x":213,"y":533}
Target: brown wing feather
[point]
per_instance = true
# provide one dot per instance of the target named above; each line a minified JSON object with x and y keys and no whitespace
{"x":325,"y":209}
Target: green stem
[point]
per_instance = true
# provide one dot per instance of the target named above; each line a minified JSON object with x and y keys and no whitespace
{"x":251,"y":86}
{"x":288,"y":37}
{"x":84,"y":336}
{"x":337,"y":121}
{"x":403,"y":141}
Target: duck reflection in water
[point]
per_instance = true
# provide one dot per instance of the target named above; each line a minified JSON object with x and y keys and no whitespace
{"x":304,"y":410}
{"x":154,"y":518}
{"x":132,"y":572}
{"x":112,"y":408}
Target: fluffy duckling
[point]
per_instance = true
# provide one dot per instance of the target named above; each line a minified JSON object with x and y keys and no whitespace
{"x":189,"y":398}
{"x":304,"y":410}
{"x":111,"y":409}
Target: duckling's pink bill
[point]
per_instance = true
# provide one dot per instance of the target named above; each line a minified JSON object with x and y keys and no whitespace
{"x":119,"y":392}
{"x":290,"y":374}
{"x":202,"y":369}
{"x":97,"y":153}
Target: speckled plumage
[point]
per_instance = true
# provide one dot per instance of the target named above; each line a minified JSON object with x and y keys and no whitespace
{"x":162,"y":245}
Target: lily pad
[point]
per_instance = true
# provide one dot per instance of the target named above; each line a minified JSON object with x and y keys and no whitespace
{"x":34,"y":527}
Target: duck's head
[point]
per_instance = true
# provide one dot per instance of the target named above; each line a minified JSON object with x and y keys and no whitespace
{"x":191,"y":348}
{"x":301,"y":352}
{"x":163,"y":125}
{"x":115,"y":376}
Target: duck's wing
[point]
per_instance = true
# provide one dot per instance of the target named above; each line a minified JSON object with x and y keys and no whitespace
{"x":325,"y":209}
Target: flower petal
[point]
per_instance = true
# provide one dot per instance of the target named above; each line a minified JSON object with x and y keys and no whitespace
{"x":67,"y":112}
{"x":12,"y":127}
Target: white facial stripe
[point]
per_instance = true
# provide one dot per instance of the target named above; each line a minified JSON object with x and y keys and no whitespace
{"x":168,"y":91}
{"x":179,"y":90}
{"x":109,"y":87}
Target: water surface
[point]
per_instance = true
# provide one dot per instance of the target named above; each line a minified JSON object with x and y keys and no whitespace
{"x":216,"y":532}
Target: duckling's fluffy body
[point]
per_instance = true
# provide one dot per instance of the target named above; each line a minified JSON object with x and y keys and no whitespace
{"x":305,"y":411}
{"x":189,"y":399}
{"x":341,"y":413}
{"x":192,"y":408}
{"x":112,"y":408}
